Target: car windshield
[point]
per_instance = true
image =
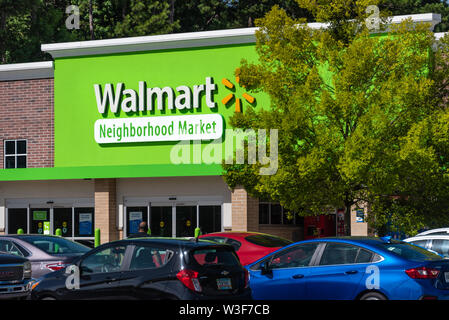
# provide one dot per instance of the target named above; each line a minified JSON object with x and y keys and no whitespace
{"x":410,"y":252}
{"x":56,"y":245}
{"x":267,"y":241}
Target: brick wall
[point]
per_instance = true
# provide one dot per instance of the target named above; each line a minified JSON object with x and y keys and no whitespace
{"x":26,"y":108}
{"x":245,"y":211}
{"x":106,"y":209}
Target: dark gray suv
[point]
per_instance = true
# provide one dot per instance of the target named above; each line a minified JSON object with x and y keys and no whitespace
{"x":15,"y":276}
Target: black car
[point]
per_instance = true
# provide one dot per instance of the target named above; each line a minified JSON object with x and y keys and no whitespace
{"x":15,"y":276}
{"x":150,"y":268}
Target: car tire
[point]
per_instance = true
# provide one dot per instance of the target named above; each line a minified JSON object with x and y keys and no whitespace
{"x":48,"y":298}
{"x":373,"y":296}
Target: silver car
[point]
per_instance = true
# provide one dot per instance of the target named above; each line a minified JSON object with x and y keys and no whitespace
{"x":46,"y":253}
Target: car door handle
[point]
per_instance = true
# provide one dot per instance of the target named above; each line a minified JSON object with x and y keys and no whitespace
{"x":298,"y":276}
{"x":351,"y":272}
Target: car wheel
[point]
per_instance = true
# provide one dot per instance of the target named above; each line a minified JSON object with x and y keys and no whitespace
{"x":373,"y":296}
{"x":48,"y":298}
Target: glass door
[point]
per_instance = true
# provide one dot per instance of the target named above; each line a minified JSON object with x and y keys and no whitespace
{"x":62,"y":219}
{"x":186,"y":220}
{"x":161,"y":218}
{"x":39,"y":220}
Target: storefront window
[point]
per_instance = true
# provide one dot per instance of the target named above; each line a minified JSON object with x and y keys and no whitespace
{"x":264,"y":213}
{"x":210,"y":219}
{"x":63,"y":221}
{"x":40,"y":220}
{"x":288,"y":217}
{"x":84,"y":222}
{"x":134,"y":216}
{"x":274,"y":213}
{"x":17,"y":219}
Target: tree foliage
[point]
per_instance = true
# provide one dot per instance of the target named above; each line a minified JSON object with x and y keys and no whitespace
{"x":26,"y":24}
{"x":351,"y":109}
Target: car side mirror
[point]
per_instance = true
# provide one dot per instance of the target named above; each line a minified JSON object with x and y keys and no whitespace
{"x":265,"y":268}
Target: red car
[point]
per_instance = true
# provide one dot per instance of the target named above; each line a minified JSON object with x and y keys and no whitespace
{"x":250,"y":246}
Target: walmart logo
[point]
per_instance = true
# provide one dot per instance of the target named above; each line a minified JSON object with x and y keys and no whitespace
{"x":226,"y":100}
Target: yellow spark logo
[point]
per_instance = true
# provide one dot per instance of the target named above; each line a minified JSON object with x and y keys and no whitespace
{"x":238,"y":106}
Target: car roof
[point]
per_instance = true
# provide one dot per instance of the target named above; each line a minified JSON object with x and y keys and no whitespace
{"x":428,"y":237}
{"x":242,"y":234}
{"x":183,"y":242}
{"x":432,"y":231}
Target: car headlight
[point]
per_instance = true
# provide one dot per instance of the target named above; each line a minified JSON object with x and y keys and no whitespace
{"x":27,"y":270}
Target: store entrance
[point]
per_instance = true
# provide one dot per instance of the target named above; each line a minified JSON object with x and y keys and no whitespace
{"x":173,"y":219}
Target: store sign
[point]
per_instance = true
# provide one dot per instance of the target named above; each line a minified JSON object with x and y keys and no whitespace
{"x":46,"y":227}
{"x":39,"y":215}
{"x":164,"y":128}
{"x":360,"y":215}
{"x":161,"y":128}
{"x":145,"y":98}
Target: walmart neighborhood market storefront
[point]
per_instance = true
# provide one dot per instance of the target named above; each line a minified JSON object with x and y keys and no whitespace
{"x":113,"y":132}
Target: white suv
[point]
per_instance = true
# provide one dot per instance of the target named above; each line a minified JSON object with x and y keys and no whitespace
{"x":434,"y":242}
{"x":434,"y":232}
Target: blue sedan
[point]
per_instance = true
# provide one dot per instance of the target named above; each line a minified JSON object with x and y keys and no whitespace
{"x":350,"y":268}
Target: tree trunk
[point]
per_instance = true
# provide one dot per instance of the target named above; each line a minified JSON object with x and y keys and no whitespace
{"x":348,"y":205}
{"x":91,"y":21}
{"x":172,"y":11}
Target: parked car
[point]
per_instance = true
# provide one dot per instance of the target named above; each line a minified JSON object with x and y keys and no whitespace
{"x":350,"y":268}
{"x":437,"y":243}
{"x":15,"y":276}
{"x":150,"y":268}
{"x":46,"y":253}
{"x":434,"y":232}
{"x":87,"y":242}
{"x":250,"y":246}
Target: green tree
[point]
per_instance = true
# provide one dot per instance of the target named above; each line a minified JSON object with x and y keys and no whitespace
{"x":25,"y":24}
{"x":343,"y":101}
{"x":145,"y":18}
{"x":247,"y":11}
